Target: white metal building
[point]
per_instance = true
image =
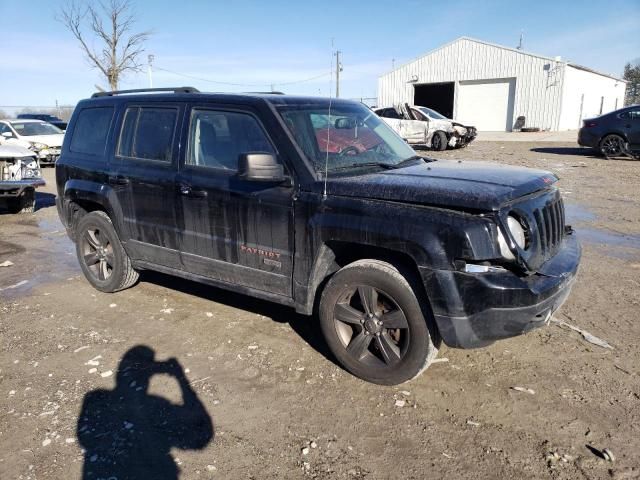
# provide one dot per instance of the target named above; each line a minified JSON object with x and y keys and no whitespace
{"x":490,"y":86}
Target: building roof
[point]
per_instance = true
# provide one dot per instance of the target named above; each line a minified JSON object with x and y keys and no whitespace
{"x":551,"y":59}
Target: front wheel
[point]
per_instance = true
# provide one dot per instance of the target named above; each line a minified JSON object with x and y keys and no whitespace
{"x":375,"y":325}
{"x":439,"y":141}
{"x":102,"y":258}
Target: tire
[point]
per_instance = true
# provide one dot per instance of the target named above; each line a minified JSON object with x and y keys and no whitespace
{"x":369,"y":346}
{"x":102,"y":258}
{"x":439,"y":141}
{"x":611,"y":145}
{"x":25,"y":203}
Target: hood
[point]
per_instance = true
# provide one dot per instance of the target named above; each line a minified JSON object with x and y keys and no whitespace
{"x":448,"y":183}
{"x":14,"y":151}
{"x":49,"y":140}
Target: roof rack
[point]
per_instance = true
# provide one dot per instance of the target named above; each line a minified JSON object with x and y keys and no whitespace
{"x":146,"y":90}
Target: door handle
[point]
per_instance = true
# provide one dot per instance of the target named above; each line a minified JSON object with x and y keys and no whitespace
{"x":189,"y":191}
{"x":119,"y":180}
{"x":198,"y":193}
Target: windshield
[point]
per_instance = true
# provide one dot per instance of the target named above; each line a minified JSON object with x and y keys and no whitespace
{"x":28,"y":129}
{"x":353,"y":136}
{"x":432,"y":113}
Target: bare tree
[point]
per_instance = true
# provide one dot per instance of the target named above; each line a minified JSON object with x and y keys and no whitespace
{"x":111,"y":23}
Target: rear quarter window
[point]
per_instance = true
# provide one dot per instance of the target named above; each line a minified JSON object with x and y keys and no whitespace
{"x":91,"y":130}
{"x":147,"y":133}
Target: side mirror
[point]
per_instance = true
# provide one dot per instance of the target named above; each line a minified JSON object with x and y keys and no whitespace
{"x":7,"y":134}
{"x":260,"y":167}
{"x":345,"y":123}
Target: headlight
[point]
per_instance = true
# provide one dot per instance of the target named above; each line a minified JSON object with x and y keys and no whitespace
{"x":38,"y":146}
{"x":517,"y":231}
{"x":519,"y":234}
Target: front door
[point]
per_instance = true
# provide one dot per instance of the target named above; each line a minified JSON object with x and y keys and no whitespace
{"x":631,"y":126}
{"x":143,"y":179}
{"x":234,"y":231}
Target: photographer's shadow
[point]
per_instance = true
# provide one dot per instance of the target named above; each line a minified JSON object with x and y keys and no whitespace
{"x":128,"y":433}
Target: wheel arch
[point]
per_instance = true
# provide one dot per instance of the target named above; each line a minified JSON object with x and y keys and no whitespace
{"x":335,"y":254}
{"x":618,"y":133}
{"x":81,"y":197}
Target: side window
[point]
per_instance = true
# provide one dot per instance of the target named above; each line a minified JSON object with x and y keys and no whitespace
{"x":418,"y":115}
{"x":631,"y":115}
{"x":5,"y":128}
{"x":217,"y":138}
{"x":147,"y":133}
{"x":91,"y":130}
{"x":390,"y":113}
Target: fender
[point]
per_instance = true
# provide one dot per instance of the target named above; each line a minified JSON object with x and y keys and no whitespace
{"x":431,"y":237}
{"x":101,"y":194}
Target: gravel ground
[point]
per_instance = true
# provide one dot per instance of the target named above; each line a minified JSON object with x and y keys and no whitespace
{"x":252,"y":392}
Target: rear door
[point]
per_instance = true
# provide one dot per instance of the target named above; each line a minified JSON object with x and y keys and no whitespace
{"x":143,"y":178}
{"x":233,"y":231}
{"x":392,"y":118}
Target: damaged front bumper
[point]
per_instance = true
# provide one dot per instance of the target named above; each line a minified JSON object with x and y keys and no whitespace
{"x":15,"y":188}
{"x":462,"y":135}
{"x":475,"y":309}
{"x":48,"y":156}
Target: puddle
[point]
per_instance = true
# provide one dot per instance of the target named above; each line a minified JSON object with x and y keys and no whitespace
{"x":49,"y":257}
{"x":607,"y":237}
{"x":575,"y":212}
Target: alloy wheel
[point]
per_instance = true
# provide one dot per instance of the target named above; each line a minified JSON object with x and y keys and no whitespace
{"x":611,"y":145}
{"x":97,"y":253}
{"x":371,"y":326}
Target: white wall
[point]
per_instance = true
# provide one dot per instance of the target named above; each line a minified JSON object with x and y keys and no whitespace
{"x":538,"y":89}
{"x":593,"y":86}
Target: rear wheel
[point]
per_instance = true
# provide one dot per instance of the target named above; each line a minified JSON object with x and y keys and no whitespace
{"x":612,"y":145}
{"x":102,"y":258}
{"x":25,"y":203}
{"x":374,"y":324}
{"x":439,"y":141}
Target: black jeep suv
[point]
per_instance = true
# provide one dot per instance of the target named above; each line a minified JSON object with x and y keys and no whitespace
{"x":314,"y":202}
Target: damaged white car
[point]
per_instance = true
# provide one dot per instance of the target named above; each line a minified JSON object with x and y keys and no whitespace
{"x":20,"y":175}
{"x":422,"y":126}
{"x":41,"y":137}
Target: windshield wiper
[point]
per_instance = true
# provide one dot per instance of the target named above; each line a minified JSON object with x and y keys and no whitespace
{"x":409,"y":160}
{"x":386,"y":166}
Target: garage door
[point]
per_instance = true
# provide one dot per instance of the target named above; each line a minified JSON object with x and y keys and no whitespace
{"x":487,"y":104}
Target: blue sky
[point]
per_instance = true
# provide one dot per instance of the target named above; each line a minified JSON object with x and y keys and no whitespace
{"x":274,"y":42}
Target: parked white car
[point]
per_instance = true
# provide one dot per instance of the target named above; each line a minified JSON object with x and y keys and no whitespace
{"x":40,"y":137}
{"x":424,"y":126}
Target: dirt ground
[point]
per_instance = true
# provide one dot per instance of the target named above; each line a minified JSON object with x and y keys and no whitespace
{"x":279,"y":407}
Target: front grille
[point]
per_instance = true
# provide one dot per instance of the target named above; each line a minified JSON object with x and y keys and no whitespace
{"x":550,"y":223}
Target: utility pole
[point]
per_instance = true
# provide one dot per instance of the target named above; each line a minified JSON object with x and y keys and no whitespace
{"x":338,"y":70}
{"x":150,"y":59}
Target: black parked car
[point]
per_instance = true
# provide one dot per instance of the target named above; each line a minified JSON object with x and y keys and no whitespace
{"x":45,"y":117}
{"x":251,"y":193}
{"x":611,"y":133}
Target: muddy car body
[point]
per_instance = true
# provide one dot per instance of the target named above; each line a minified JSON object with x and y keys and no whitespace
{"x":393,"y":252}
{"x":20,"y":175}
{"x":422,"y":126}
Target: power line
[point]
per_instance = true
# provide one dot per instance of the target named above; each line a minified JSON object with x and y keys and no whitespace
{"x":242,"y":84}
